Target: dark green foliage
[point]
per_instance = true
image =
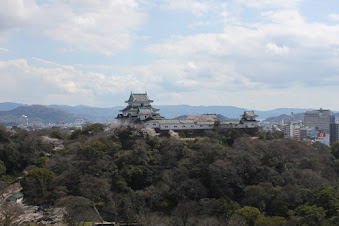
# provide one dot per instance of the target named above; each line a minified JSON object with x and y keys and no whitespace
{"x":93,"y":129}
{"x":327,"y":197}
{"x":2,"y":168}
{"x":4,"y":138}
{"x":310,"y":215}
{"x":225,"y":177}
{"x":79,"y":209}
{"x":92,"y":151}
{"x":75,"y":134}
{"x":41,"y":162}
{"x":335,"y":149}
{"x":57,"y":134}
{"x":10,"y":156}
{"x":250,"y":214}
{"x":270,"y":221}
{"x":38,"y":185}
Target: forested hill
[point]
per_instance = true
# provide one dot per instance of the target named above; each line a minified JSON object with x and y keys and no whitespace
{"x":35,"y":113}
{"x":286,"y":118}
{"x":223,"y":178}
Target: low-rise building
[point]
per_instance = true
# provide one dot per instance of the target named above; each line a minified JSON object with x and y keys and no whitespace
{"x":17,"y":198}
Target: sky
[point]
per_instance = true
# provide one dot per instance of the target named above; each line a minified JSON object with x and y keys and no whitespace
{"x":257,"y":54}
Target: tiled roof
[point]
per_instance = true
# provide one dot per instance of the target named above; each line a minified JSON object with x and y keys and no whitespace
{"x":249,"y":114}
{"x":229,"y":122}
{"x":176,"y":121}
{"x":186,"y":121}
{"x":153,"y":121}
{"x":145,"y":111}
{"x":130,"y":109}
{"x":205,"y":123}
{"x":167,"y":121}
{"x":139,"y":97}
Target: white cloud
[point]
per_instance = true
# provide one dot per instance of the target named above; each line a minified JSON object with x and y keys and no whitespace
{"x":264,"y":4}
{"x":334,"y":16}
{"x":291,"y":17}
{"x":196,"y":7}
{"x":277,"y":53}
{"x":277,"y":50}
{"x":101,"y":26}
{"x":54,"y":85}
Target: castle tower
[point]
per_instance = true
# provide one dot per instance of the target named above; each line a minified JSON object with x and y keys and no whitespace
{"x":139,"y":109}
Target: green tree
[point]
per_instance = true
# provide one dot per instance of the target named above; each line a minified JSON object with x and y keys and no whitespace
{"x":75,"y":134}
{"x":231,"y":135}
{"x":41,"y":162}
{"x":95,"y":189}
{"x":38,"y":185}
{"x":335,"y":149}
{"x":270,"y":221}
{"x":4,"y":138}
{"x":2,"y":168}
{"x":93,"y":129}
{"x":57,"y":134}
{"x":256,"y":196}
{"x":251,"y":214}
{"x":79,"y":209}
{"x":327,"y":197}
{"x":92,"y":151}
{"x":310,"y":215}
{"x":10,"y":157}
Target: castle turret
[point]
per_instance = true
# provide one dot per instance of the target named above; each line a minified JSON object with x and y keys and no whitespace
{"x":139,"y":108}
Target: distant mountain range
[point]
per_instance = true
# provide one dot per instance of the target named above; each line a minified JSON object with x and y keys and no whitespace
{"x":53,"y":113}
{"x":286,"y":118}
{"x":36,"y":114}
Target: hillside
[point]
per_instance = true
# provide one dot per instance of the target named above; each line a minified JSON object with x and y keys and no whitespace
{"x":286,"y":118}
{"x":35,"y":113}
{"x":225,"y":177}
{"x":93,"y":114}
{"x":7,"y":106}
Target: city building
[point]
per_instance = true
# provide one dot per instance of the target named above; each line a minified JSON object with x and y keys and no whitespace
{"x":322,"y":120}
{"x":335,"y":133}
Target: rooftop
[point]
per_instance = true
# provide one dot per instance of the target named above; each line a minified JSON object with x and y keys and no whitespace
{"x":249,"y":114}
{"x":145,"y":111}
{"x":139,"y":97}
{"x":18,"y":195}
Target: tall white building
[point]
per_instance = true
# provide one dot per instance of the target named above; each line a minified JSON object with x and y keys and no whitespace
{"x":321,"y":120}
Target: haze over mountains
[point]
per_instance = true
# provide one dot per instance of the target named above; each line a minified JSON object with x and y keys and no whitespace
{"x":12,"y":112}
{"x":36,"y":114}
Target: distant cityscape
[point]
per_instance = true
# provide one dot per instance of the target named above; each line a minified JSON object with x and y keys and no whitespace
{"x":317,"y":125}
{"x":312,"y":125}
